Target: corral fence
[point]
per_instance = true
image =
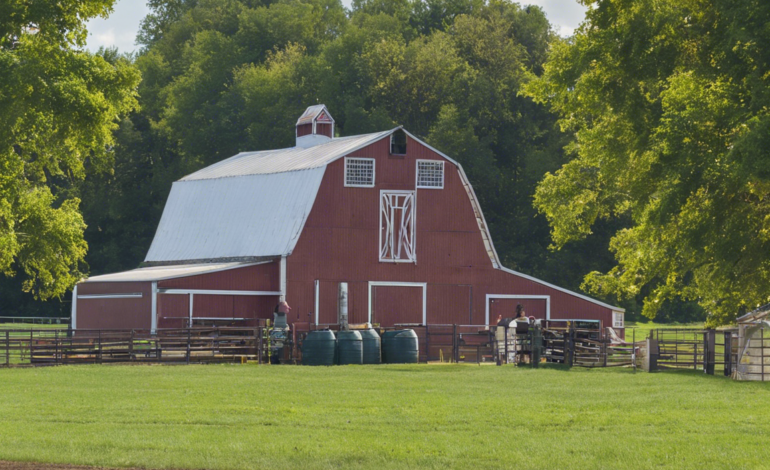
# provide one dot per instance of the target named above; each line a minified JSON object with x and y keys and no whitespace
{"x":707,"y":350}
{"x":573,"y":343}
{"x":40,"y":347}
{"x":558,"y":342}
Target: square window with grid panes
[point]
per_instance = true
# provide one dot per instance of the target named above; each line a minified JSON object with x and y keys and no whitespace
{"x":359,"y":172}
{"x":430,"y":174}
{"x":618,"y":320}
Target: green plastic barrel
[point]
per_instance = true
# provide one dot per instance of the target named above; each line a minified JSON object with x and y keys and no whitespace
{"x":318,"y":348}
{"x":400,"y":347}
{"x":350,"y":348}
{"x":371,"y":346}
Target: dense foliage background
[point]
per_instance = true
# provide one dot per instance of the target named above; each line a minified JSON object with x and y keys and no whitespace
{"x":488,"y":82}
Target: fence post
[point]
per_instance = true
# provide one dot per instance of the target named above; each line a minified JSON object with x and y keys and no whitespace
{"x":256,"y":341}
{"x":728,"y":353}
{"x":131,"y":347}
{"x":99,"y":350}
{"x":536,"y":346}
{"x":56,"y":345}
{"x":189,"y":338}
{"x":569,"y":346}
{"x":709,"y":351}
{"x":259,"y":352}
{"x":427,"y":344}
{"x":455,"y":344}
{"x":505,"y":341}
{"x":7,"y":348}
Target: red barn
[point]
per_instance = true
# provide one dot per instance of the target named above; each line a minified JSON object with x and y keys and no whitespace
{"x":393,"y":217}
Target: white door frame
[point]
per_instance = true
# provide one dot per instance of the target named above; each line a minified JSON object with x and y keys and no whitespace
{"x":547,"y":299}
{"x":424,"y":286}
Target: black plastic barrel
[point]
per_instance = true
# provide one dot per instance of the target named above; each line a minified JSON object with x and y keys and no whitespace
{"x":318,"y":348}
{"x":350,"y":348}
{"x":400,"y":347}
{"x":371,"y":346}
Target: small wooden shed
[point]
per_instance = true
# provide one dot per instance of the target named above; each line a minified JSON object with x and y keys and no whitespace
{"x":754,"y":345}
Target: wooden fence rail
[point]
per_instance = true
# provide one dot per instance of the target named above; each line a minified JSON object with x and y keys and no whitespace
{"x":194,"y":345}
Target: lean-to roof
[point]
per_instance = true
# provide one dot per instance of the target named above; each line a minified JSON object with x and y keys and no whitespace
{"x":160,"y":273}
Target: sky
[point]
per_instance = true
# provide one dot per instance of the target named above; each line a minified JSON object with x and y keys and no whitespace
{"x":121,"y":26}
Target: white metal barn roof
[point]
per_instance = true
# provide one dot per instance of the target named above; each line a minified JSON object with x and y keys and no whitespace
{"x":160,"y":273}
{"x":256,"y":215}
{"x":289,"y":159}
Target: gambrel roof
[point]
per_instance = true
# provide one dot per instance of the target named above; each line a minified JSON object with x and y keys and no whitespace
{"x":251,"y":205}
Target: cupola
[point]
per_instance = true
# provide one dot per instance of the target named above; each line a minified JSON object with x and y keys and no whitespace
{"x":315,"y":126}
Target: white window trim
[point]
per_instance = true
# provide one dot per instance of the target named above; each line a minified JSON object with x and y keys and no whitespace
{"x":622,"y":316}
{"x":424,"y":286}
{"x":417,"y":174}
{"x":317,"y":299}
{"x":218,"y":292}
{"x":547,"y":299}
{"x":374,"y":173}
{"x":414,"y":226}
{"x":128,"y":295}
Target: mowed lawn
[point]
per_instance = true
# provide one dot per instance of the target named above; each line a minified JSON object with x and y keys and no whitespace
{"x":420,"y":416}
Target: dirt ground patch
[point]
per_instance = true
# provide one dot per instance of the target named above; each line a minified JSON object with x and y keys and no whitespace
{"x":4,"y":465}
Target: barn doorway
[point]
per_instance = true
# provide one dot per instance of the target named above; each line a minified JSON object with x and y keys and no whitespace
{"x":502,"y":305}
{"x":392,"y":303}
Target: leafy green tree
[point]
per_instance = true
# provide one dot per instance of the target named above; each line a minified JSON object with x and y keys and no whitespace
{"x":58,"y":109}
{"x":668,"y":105}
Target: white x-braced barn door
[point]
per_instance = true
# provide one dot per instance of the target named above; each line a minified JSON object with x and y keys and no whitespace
{"x":397,"y":220}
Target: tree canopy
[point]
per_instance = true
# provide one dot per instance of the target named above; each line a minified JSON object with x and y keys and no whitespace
{"x":58,"y":110}
{"x":224,"y":76}
{"x":667,"y":106}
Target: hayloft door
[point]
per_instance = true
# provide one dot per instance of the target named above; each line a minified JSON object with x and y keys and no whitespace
{"x":397,"y":221}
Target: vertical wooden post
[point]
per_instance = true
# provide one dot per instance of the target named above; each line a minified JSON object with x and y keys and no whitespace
{"x":728,"y":353}
{"x":189,"y":338}
{"x":505,"y":341}
{"x":99,"y":350}
{"x":710,"y":350}
{"x":56,"y":345}
{"x":131,"y":347}
{"x":427,"y":344}
{"x":569,"y":346}
{"x":259,"y":351}
{"x":7,"y":348}
{"x":537,"y":345}
{"x":455,"y":344}
{"x":256,"y":341}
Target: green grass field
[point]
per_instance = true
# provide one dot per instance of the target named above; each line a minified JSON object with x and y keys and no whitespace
{"x":421,"y":416}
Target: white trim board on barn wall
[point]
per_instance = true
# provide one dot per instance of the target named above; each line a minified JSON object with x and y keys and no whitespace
{"x":547,"y":299}
{"x":424,"y":286}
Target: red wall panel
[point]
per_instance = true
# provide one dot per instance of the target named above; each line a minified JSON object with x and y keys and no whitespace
{"x":103,"y":314}
{"x":396,"y":304}
{"x":258,"y":277}
{"x":340,"y":243}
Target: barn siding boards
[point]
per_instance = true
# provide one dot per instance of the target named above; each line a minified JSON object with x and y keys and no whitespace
{"x":260,"y":277}
{"x":173,"y":309}
{"x":340,"y":243}
{"x":114,"y":313}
